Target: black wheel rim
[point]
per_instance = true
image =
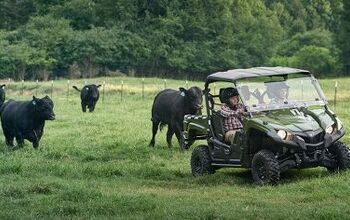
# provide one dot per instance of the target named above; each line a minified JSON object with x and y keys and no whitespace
{"x":197,"y":166}
{"x":261,"y":170}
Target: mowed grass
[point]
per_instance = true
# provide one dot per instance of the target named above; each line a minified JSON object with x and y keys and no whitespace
{"x":98,"y":165}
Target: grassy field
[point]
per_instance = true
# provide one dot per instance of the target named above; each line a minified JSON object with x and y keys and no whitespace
{"x":98,"y":165}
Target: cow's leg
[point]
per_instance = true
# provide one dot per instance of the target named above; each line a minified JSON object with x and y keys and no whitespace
{"x":169,"y":135}
{"x":33,"y":137}
{"x":155,"y":124}
{"x":19,"y":139}
{"x":9,"y":138}
{"x":92,"y":107}
{"x":83,"y":107}
{"x":35,"y":144}
{"x":9,"y":141}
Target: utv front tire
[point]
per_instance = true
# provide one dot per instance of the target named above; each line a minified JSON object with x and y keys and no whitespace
{"x":265,"y":168}
{"x":342,"y":155}
{"x":201,"y":162}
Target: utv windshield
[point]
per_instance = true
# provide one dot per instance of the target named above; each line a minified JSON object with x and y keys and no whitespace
{"x":269,"y":93}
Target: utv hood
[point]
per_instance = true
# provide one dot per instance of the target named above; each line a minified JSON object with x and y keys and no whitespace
{"x":295,"y":121}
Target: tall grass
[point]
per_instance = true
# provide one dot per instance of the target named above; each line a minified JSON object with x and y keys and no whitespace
{"x":99,"y":165}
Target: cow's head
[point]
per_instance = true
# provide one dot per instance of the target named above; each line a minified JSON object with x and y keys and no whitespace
{"x":92,"y":90}
{"x":2,"y":93}
{"x":193,"y":98}
{"x":44,"y":107}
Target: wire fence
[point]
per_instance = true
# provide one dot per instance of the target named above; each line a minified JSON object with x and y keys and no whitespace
{"x":142,"y":87}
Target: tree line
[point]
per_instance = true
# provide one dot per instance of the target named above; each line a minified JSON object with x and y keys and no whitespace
{"x":180,"y":39}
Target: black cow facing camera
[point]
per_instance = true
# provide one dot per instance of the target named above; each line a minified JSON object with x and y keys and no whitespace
{"x":89,"y":95}
{"x":26,"y":120}
{"x":2,"y":94}
{"x":170,"y":106}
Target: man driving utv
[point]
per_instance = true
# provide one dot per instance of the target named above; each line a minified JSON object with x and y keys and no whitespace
{"x":232,"y":111}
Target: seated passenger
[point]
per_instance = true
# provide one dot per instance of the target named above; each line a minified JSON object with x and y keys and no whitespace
{"x":232,"y":111}
{"x":278,"y":92}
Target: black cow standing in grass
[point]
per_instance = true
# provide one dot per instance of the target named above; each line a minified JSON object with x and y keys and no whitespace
{"x":170,"y":106}
{"x":25,"y":120}
{"x":89,"y":95}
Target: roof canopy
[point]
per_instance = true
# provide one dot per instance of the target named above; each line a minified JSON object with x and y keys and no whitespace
{"x":232,"y":75}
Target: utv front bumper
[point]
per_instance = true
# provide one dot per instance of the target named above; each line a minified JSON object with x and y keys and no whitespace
{"x":299,"y":144}
{"x":302,"y":154}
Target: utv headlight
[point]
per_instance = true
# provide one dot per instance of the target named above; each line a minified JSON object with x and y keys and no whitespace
{"x":284,"y":135}
{"x":330,"y":129}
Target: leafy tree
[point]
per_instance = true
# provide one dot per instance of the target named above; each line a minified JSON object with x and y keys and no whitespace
{"x":318,"y":60}
{"x":15,"y":13}
{"x":344,"y":37}
{"x":54,"y":36}
{"x":173,"y":38}
{"x":319,"y":37}
{"x":81,"y":13}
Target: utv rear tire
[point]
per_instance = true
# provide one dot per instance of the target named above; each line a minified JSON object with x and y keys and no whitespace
{"x":342,"y":155}
{"x":265,"y":168}
{"x":201,"y":162}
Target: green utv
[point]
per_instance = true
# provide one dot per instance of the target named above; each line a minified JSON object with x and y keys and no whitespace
{"x":299,"y":131}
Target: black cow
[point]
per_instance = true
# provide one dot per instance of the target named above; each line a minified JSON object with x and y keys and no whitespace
{"x":170,"y":106}
{"x":2,"y":94}
{"x":89,"y":96}
{"x":26,"y":120}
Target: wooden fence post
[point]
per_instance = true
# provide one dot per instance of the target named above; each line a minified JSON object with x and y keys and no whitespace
{"x":143,"y":88}
{"x":103,"y":91}
{"x":22,"y":87}
{"x":68,"y":90}
{"x":121,"y":92}
{"x":51,"y":89}
{"x":335,"y":95}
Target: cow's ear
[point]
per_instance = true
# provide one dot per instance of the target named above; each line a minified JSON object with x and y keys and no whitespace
{"x":98,"y":86}
{"x":183,"y":91}
{"x":2,"y":86}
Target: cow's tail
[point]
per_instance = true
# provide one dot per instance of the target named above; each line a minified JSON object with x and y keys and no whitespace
{"x":76,"y":88}
{"x":161,"y":126}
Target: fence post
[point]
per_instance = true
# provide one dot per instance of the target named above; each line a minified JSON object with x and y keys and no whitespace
{"x":68,"y":90}
{"x":51,"y":89}
{"x":186,"y":84}
{"x":335,"y":95}
{"x":36,"y":88}
{"x":121,"y":92}
{"x":143,"y":88}
{"x":302,"y":90}
{"x":22,"y":87}
{"x":103,"y":91}
{"x":165,"y":84}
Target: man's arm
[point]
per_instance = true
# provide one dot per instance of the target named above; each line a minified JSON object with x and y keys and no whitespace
{"x":227,"y":111}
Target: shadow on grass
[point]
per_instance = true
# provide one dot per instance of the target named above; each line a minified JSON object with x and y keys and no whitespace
{"x":235,"y":177}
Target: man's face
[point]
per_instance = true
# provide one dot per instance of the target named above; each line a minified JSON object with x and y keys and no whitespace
{"x":234,"y":100}
{"x":282,"y":93}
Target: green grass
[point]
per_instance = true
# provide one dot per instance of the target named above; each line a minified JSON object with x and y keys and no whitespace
{"x":99,"y":165}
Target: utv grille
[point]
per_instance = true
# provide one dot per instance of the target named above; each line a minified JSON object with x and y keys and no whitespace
{"x":312,"y":137}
